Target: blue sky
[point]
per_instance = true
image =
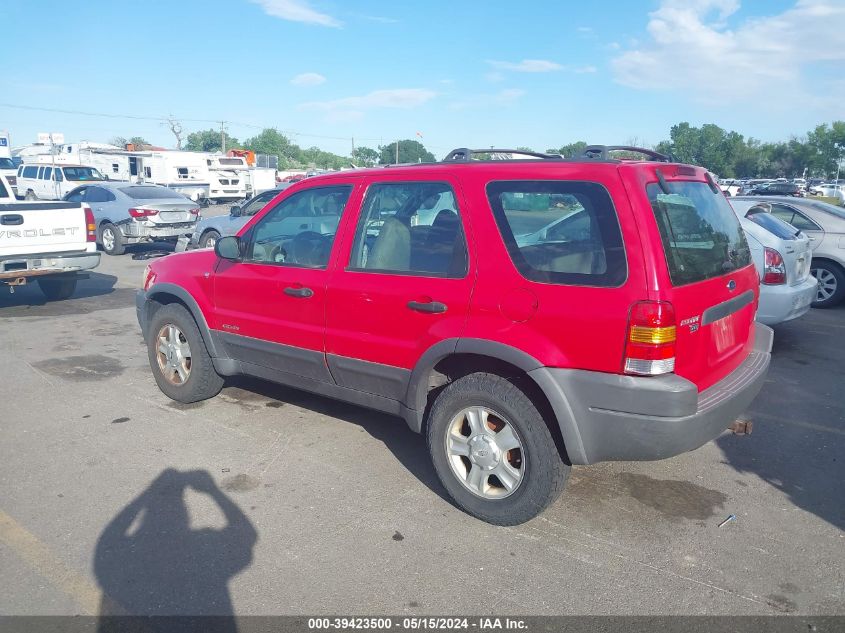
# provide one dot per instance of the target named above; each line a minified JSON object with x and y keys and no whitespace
{"x":535,"y":73}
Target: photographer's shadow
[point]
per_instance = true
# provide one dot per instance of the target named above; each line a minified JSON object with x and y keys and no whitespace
{"x":150,"y":562}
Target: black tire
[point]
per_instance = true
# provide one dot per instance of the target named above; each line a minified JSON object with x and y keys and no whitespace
{"x":831,"y":274}
{"x":57,"y":289}
{"x":203,"y":382}
{"x":208,"y":236}
{"x":117,"y":244}
{"x":545,"y":472}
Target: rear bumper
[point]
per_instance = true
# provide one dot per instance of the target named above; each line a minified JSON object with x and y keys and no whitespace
{"x":609,"y":417}
{"x":46,"y":264}
{"x":783,"y":303}
{"x":136,"y":232}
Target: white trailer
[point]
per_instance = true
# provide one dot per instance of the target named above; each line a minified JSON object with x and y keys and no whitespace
{"x":185,"y":172}
{"x":227,"y":178}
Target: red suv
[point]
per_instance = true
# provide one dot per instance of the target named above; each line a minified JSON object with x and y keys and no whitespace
{"x":525,"y":315}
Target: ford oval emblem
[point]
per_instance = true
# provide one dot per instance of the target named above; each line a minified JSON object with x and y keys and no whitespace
{"x":731,"y":285}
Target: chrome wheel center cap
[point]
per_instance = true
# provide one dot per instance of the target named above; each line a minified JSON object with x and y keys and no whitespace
{"x":484,"y":452}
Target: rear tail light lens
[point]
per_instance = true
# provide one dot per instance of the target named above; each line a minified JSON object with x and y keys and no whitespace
{"x":650,"y":343}
{"x":142,"y":213}
{"x":90,"y":225}
{"x":774,"y":271}
{"x":194,"y":211}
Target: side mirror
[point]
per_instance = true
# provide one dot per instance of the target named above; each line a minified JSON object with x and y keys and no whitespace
{"x":228,"y":248}
{"x":235,"y":211}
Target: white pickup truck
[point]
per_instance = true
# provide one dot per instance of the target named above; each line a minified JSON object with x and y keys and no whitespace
{"x":48,"y":242}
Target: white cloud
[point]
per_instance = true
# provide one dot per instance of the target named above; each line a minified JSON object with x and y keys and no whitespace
{"x":527,"y":66}
{"x":297,"y":11}
{"x":585,"y":69}
{"x":308,"y":79}
{"x":509,"y":95}
{"x":692,"y":50}
{"x":381,"y":19}
{"x":494,"y":77}
{"x":587,"y":30}
{"x":351,"y":108}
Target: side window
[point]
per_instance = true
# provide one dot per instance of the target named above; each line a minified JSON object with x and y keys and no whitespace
{"x":793,"y":217}
{"x":98,"y":194}
{"x":48,"y":173}
{"x":115,"y":167}
{"x":257,"y":203}
{"x":148,"y":172}
{"x":40,"y":173}
{"x":77,"y":195}
{"x":58,"y":177}
{"x":182,"y":172}
{"x":30,"y":172}
{"x":299,"y":230}
{"x":562,"y":232}
{"x":412,"y":227}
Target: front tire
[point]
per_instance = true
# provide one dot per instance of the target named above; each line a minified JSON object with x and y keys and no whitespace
{"x":178,"y":357}
{"x":112,"y":239}
{"x":493,"y":451}
{"x":57,"y":289}
{"x":831,"y":284}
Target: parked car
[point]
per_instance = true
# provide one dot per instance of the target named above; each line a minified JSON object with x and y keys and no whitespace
{"x":209,"y":230}
{"x":53,"y":182}
{"x":824,"y":224}
{"x":129,"y":214}
{"x":622,"y":328}
{"x":829,"y":190}
{"x":777,"y":189}
{"x":50,"y":243}
{"x":782,"y":256}
{"x":10,"y":171}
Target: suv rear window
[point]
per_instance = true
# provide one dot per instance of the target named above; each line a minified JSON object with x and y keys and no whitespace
{"x":702,"y":238}
{"x":561,"y":232}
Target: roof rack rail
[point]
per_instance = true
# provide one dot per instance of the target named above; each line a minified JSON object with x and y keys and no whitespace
{"x":602,"y":152}
{"x":464,"y":154}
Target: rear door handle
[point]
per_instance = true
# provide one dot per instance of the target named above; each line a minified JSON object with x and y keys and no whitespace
{"x":301,"y":293}
{"x":428,"y":306}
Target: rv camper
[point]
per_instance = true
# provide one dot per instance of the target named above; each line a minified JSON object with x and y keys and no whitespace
{"x":227,"y":178}
{"x":185,"y":172}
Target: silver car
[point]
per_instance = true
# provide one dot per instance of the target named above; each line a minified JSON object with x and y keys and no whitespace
{"x":127,"y":213}
{"x":209,"y":230}
{"x":782,"y":256}
{"x":824,"y":224}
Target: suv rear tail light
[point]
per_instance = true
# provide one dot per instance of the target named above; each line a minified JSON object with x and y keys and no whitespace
{"x":90,"y":225}
{"x":650,"y":343}
{"x":195,"y":211}
{"x":142,"y":213}
{"x":774,"y":271}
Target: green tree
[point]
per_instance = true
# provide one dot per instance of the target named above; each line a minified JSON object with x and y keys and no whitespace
{"x":209,"y":141}
{"x":121,"y":141}
{"x":410,"y":151}
{"x":271,"y":141}
{"x":570,"y":150}
{"x":365,"y":156}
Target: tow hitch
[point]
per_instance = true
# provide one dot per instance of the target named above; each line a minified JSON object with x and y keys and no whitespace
{"x":18,"y":281}
{"x":741,"y":427}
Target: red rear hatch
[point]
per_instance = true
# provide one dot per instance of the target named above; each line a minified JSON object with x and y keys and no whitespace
{"x":700,"y":263}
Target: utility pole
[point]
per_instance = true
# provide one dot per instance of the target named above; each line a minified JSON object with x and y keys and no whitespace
{"x":223,"y":136}
{"x":397,"y":152}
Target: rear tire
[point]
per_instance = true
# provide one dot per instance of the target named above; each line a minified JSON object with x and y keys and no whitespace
{"x":831,"y":284}
{"x":512,"y":433}
{"x":178,"y":357}
{"x":57,"y":289}
{"x":209,"y":239}
{"x":112,"y":239}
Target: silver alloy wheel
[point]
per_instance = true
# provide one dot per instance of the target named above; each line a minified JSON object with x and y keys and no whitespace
{"x":485,"y":453}
{"x":827,"y":283}
{"x":210,"y":241}
{"x":173,"y":354}
{"x":108,"y":238}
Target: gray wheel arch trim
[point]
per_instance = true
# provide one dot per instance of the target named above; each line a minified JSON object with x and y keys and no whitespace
{"x":185,"y":297}
{"x":415,"y":397}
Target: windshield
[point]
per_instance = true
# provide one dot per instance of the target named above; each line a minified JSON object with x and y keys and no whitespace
{"x":702,"y":238}
{"x":149,"y":192}
{"x":6,"y":163}
{"x":78,"y":174}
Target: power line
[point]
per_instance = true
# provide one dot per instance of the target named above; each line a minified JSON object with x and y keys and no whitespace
{"x":166,"y":119}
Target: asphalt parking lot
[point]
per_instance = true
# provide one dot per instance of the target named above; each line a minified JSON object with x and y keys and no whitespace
{"x":266,"y":500}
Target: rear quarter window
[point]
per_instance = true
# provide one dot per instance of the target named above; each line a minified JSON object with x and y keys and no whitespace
{"x":560,"y":232}
{"x":701,"y":235}
{"x":773,"y":225}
